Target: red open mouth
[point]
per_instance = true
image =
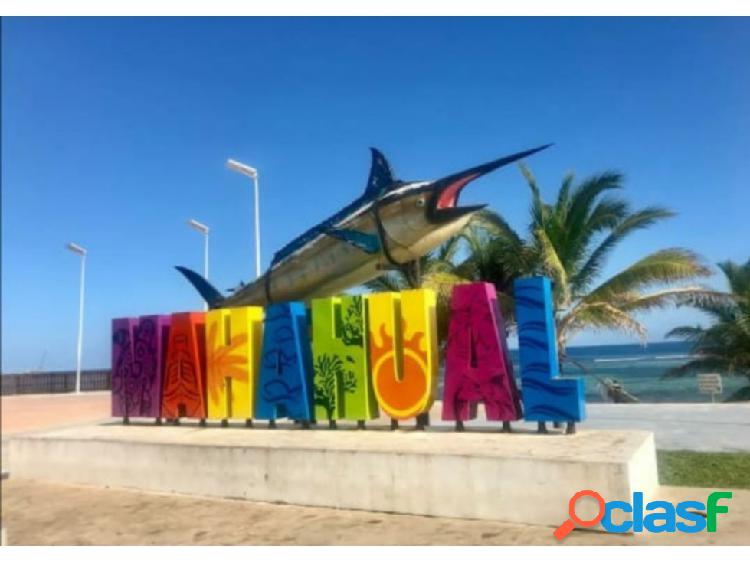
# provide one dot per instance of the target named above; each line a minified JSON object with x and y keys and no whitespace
{"x":444,"y":207}
{"x":449,"y":195}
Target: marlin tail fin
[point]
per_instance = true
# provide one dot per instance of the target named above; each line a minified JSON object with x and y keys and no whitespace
{"x":206,"y":290}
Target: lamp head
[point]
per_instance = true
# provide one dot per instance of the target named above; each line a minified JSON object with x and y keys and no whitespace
{"x":200,"y":227}
{"x":75,"y":248}
{"x":242,"y":168}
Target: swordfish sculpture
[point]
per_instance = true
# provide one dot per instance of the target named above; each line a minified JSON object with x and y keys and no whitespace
{"x":388,"y":227}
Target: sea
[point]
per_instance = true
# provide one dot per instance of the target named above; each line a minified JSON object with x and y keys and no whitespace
{"x":639,"y":369}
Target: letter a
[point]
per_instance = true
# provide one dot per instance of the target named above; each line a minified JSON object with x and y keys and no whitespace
{"x":477,"y":362}
{"x":185,"y":375}
{"x":285,"y":384}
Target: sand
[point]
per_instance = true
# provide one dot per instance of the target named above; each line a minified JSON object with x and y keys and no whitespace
{"x":37,"y":513}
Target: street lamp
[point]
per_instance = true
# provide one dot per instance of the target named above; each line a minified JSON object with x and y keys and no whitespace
{"x":252,"y":173}
{"x":203,"y":229}
{"x":76,"y":249}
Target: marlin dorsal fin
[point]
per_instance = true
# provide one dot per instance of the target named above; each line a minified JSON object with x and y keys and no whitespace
{"x":381,"y":174}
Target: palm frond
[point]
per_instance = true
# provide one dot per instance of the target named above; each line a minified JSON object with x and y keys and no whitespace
{"x":661,"y":267}
{"x":607,"y":214}
{"x":553,"y":267}
{"x":638,"y":220}
{"x":586,"y":193}
{"x":688,"y":333}
{"x":447,"y":251}
{"x":738,"y":276}
{"x":496,"y":225}
{"x":539,"y":210}
{"x":599,"y":315}
{"x":563,"y":196}
{"x":676,"y":296}
{"x":725,"y":345}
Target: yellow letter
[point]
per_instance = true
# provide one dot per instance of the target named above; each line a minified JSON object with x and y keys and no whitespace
{"x":403,"y":351}
{"x":233,"y":342}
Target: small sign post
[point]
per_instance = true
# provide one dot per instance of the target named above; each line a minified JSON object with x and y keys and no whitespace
{"x":710,"y":383}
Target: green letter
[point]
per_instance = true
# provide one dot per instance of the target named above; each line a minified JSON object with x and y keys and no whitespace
{"x":712,"y":509}
{"x":342,"y":387}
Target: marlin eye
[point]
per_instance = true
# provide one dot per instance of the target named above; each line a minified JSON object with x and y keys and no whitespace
{"x":420,"y":202}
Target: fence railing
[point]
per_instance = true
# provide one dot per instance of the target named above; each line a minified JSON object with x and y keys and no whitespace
{"x":55,"y":382}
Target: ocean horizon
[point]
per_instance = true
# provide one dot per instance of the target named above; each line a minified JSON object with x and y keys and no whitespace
{"x":639,"y":368}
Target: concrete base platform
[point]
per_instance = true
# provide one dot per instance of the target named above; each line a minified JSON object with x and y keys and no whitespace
{"x":519,"y":477}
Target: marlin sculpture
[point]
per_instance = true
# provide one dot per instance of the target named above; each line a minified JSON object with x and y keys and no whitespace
{"x":390,"y":226}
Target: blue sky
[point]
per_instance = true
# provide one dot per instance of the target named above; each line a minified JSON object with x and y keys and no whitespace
{"x":115,"y":132}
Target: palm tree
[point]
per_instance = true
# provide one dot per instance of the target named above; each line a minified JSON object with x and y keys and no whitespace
{"x":724,"y":346}
{"x":570,"y":242}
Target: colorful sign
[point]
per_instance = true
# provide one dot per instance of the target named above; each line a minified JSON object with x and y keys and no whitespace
{"x":347,"y":358}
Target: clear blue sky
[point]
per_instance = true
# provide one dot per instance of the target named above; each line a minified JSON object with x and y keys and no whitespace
{"x":115,"y":132}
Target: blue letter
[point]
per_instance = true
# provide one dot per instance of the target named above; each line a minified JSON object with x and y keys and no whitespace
{"x":546,"y":397}
{"x":285,"y":381}
{"x":668,"y":517}
{"x":610,"y":527}
{"x":697,"y":518}
{"x":637,"y":512}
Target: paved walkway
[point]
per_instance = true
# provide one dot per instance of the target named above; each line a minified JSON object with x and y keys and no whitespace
{"x":693,"y":427}
{"x":696,"y":427}
{"x":29,"y":412}
{"x":39,"y":412}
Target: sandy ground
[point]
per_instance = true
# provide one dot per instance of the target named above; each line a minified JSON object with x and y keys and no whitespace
{"x":37,"y":513}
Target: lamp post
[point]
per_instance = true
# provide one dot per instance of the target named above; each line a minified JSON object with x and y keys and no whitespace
{"x":251,"y":172}
{"x":203,"y":229}
{"x":76,"y":249}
